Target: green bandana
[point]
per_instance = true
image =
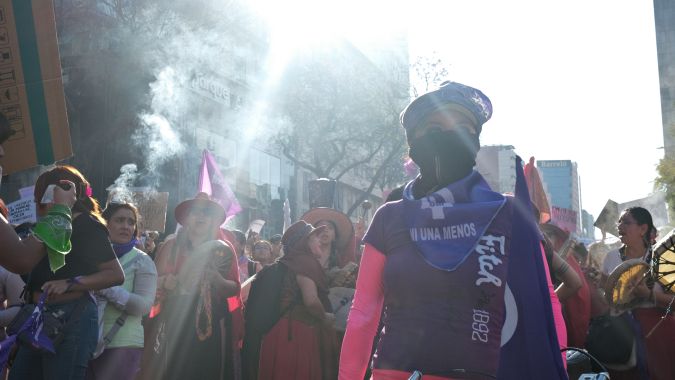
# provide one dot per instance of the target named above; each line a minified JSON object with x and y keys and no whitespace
{"x":55,"y":230}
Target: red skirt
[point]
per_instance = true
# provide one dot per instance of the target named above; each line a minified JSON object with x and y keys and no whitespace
{"x":293,"y":350}
{"x":659,"y":346}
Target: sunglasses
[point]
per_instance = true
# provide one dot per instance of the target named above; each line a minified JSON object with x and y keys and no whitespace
{"x":202,"y":212}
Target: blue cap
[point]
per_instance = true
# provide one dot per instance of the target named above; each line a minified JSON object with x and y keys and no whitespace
{"x":470,"y":101}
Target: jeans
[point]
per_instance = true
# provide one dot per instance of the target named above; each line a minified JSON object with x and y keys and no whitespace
{"x":121,"y":363}
{"x":72,"y":355}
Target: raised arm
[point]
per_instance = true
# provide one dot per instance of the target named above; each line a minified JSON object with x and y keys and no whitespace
{"x":20,"y":256}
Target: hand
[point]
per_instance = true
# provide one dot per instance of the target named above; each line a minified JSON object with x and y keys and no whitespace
{"x":212,"y":275}
{"x":56,"y":287}
{"x":169,"y":281}
{"x":116,"y":294}
{"x":641,"y":290}
{"x":211,"y":246}
{"x":592,"y":275}
{"x":149,"y":245}
{"x":65,"y":197}
{"x":329,"y":319}
{"x":105,"y":293}
{"x":360,"y":228}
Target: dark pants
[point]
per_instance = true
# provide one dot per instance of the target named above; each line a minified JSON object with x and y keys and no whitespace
{"x":116,"y":364}
{"x":72,"y":355}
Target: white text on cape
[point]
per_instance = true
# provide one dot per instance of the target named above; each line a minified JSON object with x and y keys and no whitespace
{"x":457,"y":231}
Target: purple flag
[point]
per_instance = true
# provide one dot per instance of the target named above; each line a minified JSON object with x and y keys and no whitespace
{"x":212,"y":182}
{"x":532,"y":352}
{"x":5,"y":349}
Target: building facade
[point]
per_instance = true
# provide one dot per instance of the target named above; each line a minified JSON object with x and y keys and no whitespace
{"x":497,"y":164}
{"x":109,"y":83}
{"x":664,"y":20}
{"x":561,"y":183}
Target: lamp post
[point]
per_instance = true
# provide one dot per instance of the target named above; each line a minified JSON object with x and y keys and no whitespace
{"x":366,"y":206}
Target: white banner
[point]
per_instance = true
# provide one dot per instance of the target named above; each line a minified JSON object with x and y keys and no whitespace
{"x":22,"y":211}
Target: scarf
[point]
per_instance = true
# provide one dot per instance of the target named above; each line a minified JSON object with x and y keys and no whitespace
{"x":123,"y":249}
{"x":453,"y":219}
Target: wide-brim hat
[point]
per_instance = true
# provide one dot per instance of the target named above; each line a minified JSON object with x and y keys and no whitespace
{"x":183,"y":209}
{"x":297,"y":231}
{"x":344,"y":226}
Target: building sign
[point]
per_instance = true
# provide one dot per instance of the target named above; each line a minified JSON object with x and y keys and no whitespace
{"x":554,"y":164}
{"x":211,"y":88}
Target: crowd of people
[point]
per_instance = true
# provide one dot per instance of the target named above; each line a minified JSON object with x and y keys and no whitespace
{"x":451,"y":281}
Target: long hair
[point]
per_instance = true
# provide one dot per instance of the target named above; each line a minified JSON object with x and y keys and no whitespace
{"x":4,"y":211}
{"x":642,"y":217}
{"x":112,"y":208}
{"x":84,"y":202}
{"x":333,"y":259}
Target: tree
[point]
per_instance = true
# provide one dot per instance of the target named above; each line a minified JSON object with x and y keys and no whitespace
{"x":429,"y":72}
{"x":666,"y":177}
{"x":121,"y":56}
{"x":340,"y":112}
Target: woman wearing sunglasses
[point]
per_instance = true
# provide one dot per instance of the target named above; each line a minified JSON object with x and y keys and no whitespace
{"x":197,"y":294}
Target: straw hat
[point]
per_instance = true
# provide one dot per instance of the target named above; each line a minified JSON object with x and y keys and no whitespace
{"x":344,"y":226}
{"x":183,"y":209}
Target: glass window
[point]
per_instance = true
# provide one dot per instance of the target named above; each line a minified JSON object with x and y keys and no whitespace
{"x":265,"y":169}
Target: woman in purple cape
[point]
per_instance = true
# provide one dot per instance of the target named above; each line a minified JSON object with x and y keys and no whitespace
{"x":457,"y":268}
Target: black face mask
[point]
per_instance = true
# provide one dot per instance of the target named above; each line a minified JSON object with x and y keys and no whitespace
{"x":444,"y":157}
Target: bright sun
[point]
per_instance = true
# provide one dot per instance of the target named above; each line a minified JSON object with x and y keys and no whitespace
{"x":296,"y":24}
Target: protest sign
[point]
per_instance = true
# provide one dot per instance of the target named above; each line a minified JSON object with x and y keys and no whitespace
{"x":22,"y":211}
{"x":26,"y":192}
{"x":31,"y":86}
{"x":608,"y":218}
{"x":151,"y":205}
{"x":564,"y":218}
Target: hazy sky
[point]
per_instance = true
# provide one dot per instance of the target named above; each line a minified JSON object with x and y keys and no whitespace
{"x":571,"y":80}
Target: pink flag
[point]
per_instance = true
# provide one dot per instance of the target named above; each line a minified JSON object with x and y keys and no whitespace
{"x":536,"y":190}
{"x":212,"y":182}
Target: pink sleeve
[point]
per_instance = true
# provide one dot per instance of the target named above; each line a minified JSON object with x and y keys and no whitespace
{"x":560,"y":327}
{"x":364,"y":316}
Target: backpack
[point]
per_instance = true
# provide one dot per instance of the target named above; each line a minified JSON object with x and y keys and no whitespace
{"x":262,"y":312}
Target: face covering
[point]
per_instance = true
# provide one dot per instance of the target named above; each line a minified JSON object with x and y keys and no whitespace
{"x":444,"y":157}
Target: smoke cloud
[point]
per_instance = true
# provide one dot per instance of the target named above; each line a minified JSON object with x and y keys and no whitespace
{"x":120,"y":191}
